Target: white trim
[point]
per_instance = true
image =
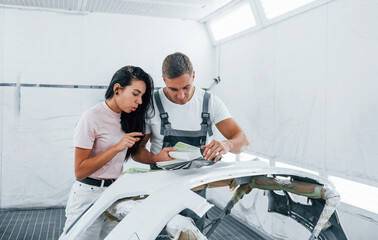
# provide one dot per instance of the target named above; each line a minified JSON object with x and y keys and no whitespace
{"x":256,"y":12}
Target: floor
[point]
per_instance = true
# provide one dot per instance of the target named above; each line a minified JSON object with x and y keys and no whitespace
{"x":47,"y":224}
{"x":31,"y":224}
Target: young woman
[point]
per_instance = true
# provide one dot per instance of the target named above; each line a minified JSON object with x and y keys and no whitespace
{"x":105,"y":136}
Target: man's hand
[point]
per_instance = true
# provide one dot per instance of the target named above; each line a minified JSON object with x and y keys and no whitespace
{"x":216,"y":148}
{"x":163,"y":155}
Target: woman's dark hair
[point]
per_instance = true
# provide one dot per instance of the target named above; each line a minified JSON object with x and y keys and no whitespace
{"x":134,"y":121}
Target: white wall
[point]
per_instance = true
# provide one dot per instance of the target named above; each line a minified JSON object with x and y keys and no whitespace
{"x":1,"y":94}
{"x":45,"y":47}
{"x":56,"y":48}
{"x":308,"y":88}
{"x":1,"y":45}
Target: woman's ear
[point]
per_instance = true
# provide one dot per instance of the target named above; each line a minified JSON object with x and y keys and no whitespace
{"x":116,"y":87}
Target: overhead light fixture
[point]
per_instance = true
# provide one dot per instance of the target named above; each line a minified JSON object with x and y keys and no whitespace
{"x":234,"y":21}
{"x":275,"y":8}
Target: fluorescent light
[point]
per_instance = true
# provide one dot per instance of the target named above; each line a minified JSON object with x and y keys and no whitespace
{"x":356,"y":194}
{"x":235,"y":21}
{"x":275,"y":8}
{"x":285,"y":165}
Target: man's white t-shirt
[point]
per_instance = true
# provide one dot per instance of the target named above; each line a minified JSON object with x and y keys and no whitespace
{"x":99,"y":128}
{"x":184,"y":117}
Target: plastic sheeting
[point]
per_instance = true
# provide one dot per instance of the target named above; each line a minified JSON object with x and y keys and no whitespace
{"x":304,"y":89}
{"x":56,"y":48}
{"x":42,"y":47}
{"x":37,"y":152}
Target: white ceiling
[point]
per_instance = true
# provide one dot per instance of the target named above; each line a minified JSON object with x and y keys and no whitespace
{"x":182,"y":9}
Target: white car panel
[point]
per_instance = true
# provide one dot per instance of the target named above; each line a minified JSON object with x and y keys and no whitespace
{"x":169,"y":193}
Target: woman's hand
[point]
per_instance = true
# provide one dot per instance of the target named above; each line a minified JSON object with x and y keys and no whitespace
{"x":128,"y":141}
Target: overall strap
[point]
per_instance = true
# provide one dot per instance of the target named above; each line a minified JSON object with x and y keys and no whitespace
{"x":165,"y":124}
{"x":206,"y":122}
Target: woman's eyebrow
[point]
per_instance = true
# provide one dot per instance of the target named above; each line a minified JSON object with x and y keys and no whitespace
{"x":137,"y":90}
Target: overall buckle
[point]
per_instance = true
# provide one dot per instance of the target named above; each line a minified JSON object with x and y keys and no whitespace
{"x":205,"y":115}
{"x":164,"y":117}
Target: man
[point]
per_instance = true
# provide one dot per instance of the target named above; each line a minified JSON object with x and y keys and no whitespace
{"x":186,"y":113}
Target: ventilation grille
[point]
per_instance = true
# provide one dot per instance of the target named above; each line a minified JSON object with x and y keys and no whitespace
{"x":182,"y":9}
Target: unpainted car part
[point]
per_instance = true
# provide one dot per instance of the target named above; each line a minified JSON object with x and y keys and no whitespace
{"x":170,"y":192}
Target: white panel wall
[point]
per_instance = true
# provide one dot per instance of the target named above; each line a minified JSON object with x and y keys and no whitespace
{"x":352,"y":73}
{"x":37,"y":47}
{"x":1,"y":94}
{"x":37,"y":152}
{"x":308,"y":86}
{"x":1,"y":45}
{"x":56,"y":48}
{"x":304,"y":90}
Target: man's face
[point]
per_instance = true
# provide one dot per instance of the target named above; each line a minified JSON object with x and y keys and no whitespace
{"x":179,"y":90}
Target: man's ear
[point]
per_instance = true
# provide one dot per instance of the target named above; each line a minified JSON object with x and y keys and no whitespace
{"x":194,"y":74}
{"x":163,"y":77}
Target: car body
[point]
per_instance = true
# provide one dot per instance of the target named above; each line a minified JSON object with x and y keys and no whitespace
{"x":170,"y":192}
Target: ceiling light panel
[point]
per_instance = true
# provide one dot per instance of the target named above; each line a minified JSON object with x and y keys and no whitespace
{"x":275,"y":8}
{"x":182,"y":9}
{"x":234,"y":21}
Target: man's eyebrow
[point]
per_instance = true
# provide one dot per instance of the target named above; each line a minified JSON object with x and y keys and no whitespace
{"x":177,"y":89}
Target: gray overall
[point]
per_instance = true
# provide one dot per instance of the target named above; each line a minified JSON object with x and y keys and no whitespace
{"x":195,"y":138}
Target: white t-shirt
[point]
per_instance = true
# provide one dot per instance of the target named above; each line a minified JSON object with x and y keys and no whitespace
{"x":184,"y":117}
{"x":99,"y":128}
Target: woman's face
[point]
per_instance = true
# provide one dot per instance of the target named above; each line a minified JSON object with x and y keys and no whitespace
{"x":130,"y":97}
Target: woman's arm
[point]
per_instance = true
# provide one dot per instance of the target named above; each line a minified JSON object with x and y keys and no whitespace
{"x":85,"y":166}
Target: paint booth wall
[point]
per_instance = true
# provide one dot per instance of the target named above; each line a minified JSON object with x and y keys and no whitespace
{"x":36,"y":152}
{"x":308,"y":87}
{"x":305,"y":92}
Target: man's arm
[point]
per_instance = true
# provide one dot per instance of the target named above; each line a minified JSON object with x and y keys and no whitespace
{"x":144,"y":156}
{"x":236,"y":140}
